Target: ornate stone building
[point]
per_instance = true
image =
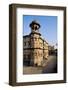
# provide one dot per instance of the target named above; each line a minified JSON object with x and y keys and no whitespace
{"x":35,"y":49}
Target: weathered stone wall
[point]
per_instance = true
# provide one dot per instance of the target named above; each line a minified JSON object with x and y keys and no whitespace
{"x":26,"y":42}
{"x":35,"y":49}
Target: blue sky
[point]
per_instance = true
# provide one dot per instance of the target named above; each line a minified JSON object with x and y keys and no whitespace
{"x":48,"y":27}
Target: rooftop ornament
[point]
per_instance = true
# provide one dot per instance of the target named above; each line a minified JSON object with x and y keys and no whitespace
{"x":34,"y":25}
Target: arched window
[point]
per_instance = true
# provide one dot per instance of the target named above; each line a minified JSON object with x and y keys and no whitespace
{"x":35,"y":39}
{"x":28,"y":43}
{"x":24,"y":43}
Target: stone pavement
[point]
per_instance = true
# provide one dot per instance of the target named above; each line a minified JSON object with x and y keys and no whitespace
{"x":50,"y":67}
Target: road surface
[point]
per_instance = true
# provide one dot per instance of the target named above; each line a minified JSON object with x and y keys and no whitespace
{"x":51,"y":66}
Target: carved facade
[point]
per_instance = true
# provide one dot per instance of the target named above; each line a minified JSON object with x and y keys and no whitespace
{"x":35,"y":49}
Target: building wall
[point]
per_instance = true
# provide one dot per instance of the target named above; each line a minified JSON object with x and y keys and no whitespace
{"x":35,"y":49}
{"x":26,"y":42}
{"x":46,"y":51}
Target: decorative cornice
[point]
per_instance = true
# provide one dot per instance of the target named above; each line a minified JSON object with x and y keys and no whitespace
{"x":35,"y":33}
{"x":34,"y":48}
{"x":26,"y":36}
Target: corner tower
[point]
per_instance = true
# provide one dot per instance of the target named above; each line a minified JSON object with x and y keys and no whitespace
{"x":35,"y":35}
{"x":34,"y":25}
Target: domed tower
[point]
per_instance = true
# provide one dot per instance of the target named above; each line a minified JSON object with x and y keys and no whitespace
{"x":34,"y":25}
{"x":34,"y":35}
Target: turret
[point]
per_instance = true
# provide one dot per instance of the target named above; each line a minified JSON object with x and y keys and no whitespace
{"x":34,"y":25}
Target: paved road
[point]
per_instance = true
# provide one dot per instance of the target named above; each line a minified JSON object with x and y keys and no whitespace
{"x":51,"y":66}
{"x":32,"y":70}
